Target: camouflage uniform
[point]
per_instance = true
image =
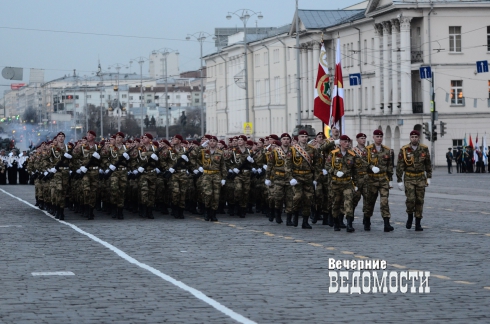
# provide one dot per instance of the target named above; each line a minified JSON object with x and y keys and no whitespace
{"x":61,"y":178}
{"x":342,"y":186}
{"x":361,"y":166}
{"x":282,"y":192}
{"x":416,"y":165}
{"x":118,"y":179}
{"x":179,"y":180}
{"x":378,"y":183}
{"x":146,"y":167}
{"x":242,"y":179}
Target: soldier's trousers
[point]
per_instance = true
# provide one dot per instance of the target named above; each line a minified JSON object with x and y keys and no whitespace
{"x":377,"y":185}
{"x":415,"y":192}
{"x":342,"y":191}
{"x":118,"y":182}
{"x":361,"y":192}
{"x":229,"y":191}
{"x":282,"y":193}
{"x":147,"y":188}
{"x":211,"y":187}
{"x":61,"y":187}
{"x":90,"y":185}
{"x":242,"y":188}
{"x":178,"y":184}
{"x":322,"y":200}
{"x":303,"y":193}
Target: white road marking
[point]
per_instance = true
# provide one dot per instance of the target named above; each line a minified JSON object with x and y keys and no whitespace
{"x":54,"y":273}
{"x":198,"y":294}
{"x":10,"y":225}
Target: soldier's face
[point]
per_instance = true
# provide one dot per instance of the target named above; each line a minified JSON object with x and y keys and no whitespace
{"x":286,"y":141}
{"x":414,"y":139}
{"x":112,"y":141}
{"x":378,"y":139}
{"x":145,"y":140}
{"x":90,"y":137}
{"x":220,"y":146}
{"x":241,"y":142}
{"x":260,"y":144}
{"x":319,"y":138}
{"x":234,"y":142}
{"x":61,"y":138}
{"x":335,"y":133}
{"x":302,"y":139}
{"x":344,"y":144}
{"x":361,"y":141}
{"x":213,"y":143}
{"x":119,"y":139}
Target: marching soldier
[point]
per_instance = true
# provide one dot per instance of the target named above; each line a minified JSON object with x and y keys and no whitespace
{"x":61,"y":157}
{"x":344,"y":182}
{"x":118,"y":167}
{"x":413,"y":173}
{"x":242,"y":157}
{"x":147,"y":160}
{"x":379,"y":181}
{"x":3,"y":164}
{"x":361,"y":152}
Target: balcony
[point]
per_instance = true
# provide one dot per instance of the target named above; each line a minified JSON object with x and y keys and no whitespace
{"x":417,"y":56}
{"x":417,"y":107}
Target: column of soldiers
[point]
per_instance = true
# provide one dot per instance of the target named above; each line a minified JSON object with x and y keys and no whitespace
{"x":322,"y":180}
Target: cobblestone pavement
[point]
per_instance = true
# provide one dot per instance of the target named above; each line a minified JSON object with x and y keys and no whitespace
{"x":265,"y":272}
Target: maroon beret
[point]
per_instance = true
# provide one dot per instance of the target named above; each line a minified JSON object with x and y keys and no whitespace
{"x":214,"y":138}
{"x":156,"y":143}
{"x":222,"y":142}
{"x":378,"y":132}
{"x":208,"y":136}
{"x":195,"y":143}
{"x":345,"y":138}
{"x":92,"y":133}
{"x":361,"y":135}
{"x":84,"y":138}
{"x":274,"y":136}
{"x":137,"y":140}
{"x":60,"y":133}
{"x":286,"y":135}
{"x":166,"y":142}
{"x":261,"y":140}
{"x":185,"y":142}
{"x":179,"y":137}
{"x":250,"y":143}
{"x":277,"y":143}
{"x":243,"y":137}
{"x":148,"y":135}
{"x":303,"y":132}
{"x":113,"y":136}
{"x":295,"y":138}
{"x":321,"y":133}
{"x":120,"y":134}
{"x":414,"y":132}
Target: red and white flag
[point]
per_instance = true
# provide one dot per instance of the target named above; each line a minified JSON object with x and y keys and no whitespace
{"x":321,"y":107}
{"x":337,"y":111}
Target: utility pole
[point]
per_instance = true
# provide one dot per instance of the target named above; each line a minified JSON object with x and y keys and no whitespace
{"x":298,"y":68}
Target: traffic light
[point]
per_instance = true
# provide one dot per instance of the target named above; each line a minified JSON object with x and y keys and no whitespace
{"x":425,"y":128}
{"x":443,"y":128}
{"x":434,"y":136}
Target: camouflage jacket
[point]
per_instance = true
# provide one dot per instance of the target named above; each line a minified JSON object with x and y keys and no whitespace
{"x":380,"y":159}
{"x":413,"y":161}
{"x":277,"y":162}
{"x":346,"y":163}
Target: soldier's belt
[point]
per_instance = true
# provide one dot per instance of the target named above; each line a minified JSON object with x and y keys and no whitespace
{"x":340,"y":179}
{"x":376,"y":175}
{"x":362,"y":173}
{"x":301,"y":172}
{"x":64,"y":168}
{"x":245,"y":171}
{"x":121,"y":168}
{"x":280,"y":173}
{"x":182,"y":171}
{"x":410,"y":174}
{"x":93,"y":168}
{"x":211,"y":171}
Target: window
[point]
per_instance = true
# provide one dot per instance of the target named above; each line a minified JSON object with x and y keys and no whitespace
{"x":455,"y":39}
{"x":221,"y":69}
{"x":372,"y":50}
{"x":148,"y":100}
{"x":196,"y":94}
{"x":266,"y":58}
{"x":130,"y":97}
{"x":288,"y":53}
{"x":257,"y":92}
{"x":267,"y":90}
{"x":89,"y":96}
{"x":148,"y":94}
{"x":196,"y":100}
{"x":156,"y":97}
{"x":457,"y":92}
{"x":289,"y":83}
{"x":365,"y":51}
{"x":276,"y":89}
{"x":351,"y":53}
{"x":177,"y":97}
{"x":488,"y":38}
{"x":457,"y":143}
{"x":276,"y":55}
{"x":257,"y":60}
{"x":101,"y":96}
{"x":188,"y":96}
{"x":488,"y":89}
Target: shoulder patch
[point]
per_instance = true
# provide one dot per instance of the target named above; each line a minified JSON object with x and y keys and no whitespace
{"x":351,"y":153}
{"x":386,"y":147}
{"x":335,"y":151}
{"x":405,"y":146}
{"x":423,"y":145}
{"x":370,"y":146}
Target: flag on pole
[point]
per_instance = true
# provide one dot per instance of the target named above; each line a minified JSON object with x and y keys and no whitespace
{"x":337,"y":110}
{"x":465,"y":144}
{"x":322,"y":102}
{"x":485,"y":150}
{"x":475,"y":154}
{"x":471,"y":142}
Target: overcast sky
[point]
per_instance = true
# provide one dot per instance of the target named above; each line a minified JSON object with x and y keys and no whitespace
{"x":143,"y":25}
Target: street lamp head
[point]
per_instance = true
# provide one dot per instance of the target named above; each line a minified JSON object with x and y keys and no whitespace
{"x":188,"y":38}
{"x":202,"y":39}
{"x":260,"y":16}
{"x":228,"y":16}
{"x":246,"y":16}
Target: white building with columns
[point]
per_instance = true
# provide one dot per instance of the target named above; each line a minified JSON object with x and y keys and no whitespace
{"x":387,"y":42}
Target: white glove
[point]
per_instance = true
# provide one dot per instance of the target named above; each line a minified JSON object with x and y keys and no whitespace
{"x":96,"y":155}
{"x":375,"y":169}
{"x":268,"y":182}
{"x":157,"y":170}
{"x":259,"y":171}
{"x":141,"y":170}
{"x":83,"y":169}
{"x":70,"y":172}
{"x":250,"y":159}
{"x":107,"y":171}
{"x":265,"y":167}
{"x":185,"y":158}
{"x":112,"y":167}
{"x":293,"y":182}
{"x":201,"y":169}
{"x":46,"y":173}
{"x":154,"y":157}
{"x":172,"y":170}
{"x":205,"y":144}
{"x":79,"y":171}
{"x":401,"y":186}
{"x":428,"y":182}
{"x":355,"y":189}
{"x":336,"y":142}
{"x":230,"y":171}
{"x":196,"y":171}
{"x":314,"y":184}
{"x":236,"y":170}
{"x":254,"y":170}
{"x":53,"y":170}
{"x":339,"y":174}
{"x":135,"y":172}
{"x":126,"y":155}
{"x":101,"y":171}
{"x":325,"y":172}
{"x":223,"y":182}
{"x":390,"y":184}
{"x":68,"y":156}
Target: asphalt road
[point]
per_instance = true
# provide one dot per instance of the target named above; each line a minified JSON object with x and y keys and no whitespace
{"x":242,"y":270}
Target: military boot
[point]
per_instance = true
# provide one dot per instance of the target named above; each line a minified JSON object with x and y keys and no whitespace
{"x":56,"y":211}
{"x":164,"y":209}
{"x":250,"y":208}
{"x":350,"y":229}
{"x":409,"y":221}
{"x":90,"y":212}
{"x":242,"y":212}
{"x":221,"y":208}
{"x":61,"y":213}
{"x":366,"y":221}
{"x":330,"y":219}
{"x":305,"y":224}
{"x":295,"y":219}
{"x":341,"y":221}
{"x":288,"y":219}
{"x":41,"y":205}
{"x":278,"y":216}
{"x":314,"y":216}
{"x":37,"y":202}
{"x":120,"y":213}
{"x":98,"y":204}
{"x":114,"y":211}
{"x":181,"y":213}
{"x":207,"y":215}
{"x":231,"y":210}
{"x":175,"y":211}
{"x":213,"y":215}
{"x":149,"y":212}
{"x":418,"y":227}
{"x":265,"y":210}
{"x":388,"y":227}
{"x":336,"y":222}
{"x":272,"y":215}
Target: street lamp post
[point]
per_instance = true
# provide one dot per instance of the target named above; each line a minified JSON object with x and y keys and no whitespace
{"x":201,"y":37}
{"x":141,"y":60}
{"x":116,"y":109}
{"x":244,"y":16}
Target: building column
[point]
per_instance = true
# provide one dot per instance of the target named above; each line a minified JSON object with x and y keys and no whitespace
{"x":386,"y":67}
{"x":311,"y":82}
{"x":316,"y":60}
{"x":395,"y":31}
{"x":378,"y":32}
{"x":304,"y":84}
{"x":405,"y":66}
